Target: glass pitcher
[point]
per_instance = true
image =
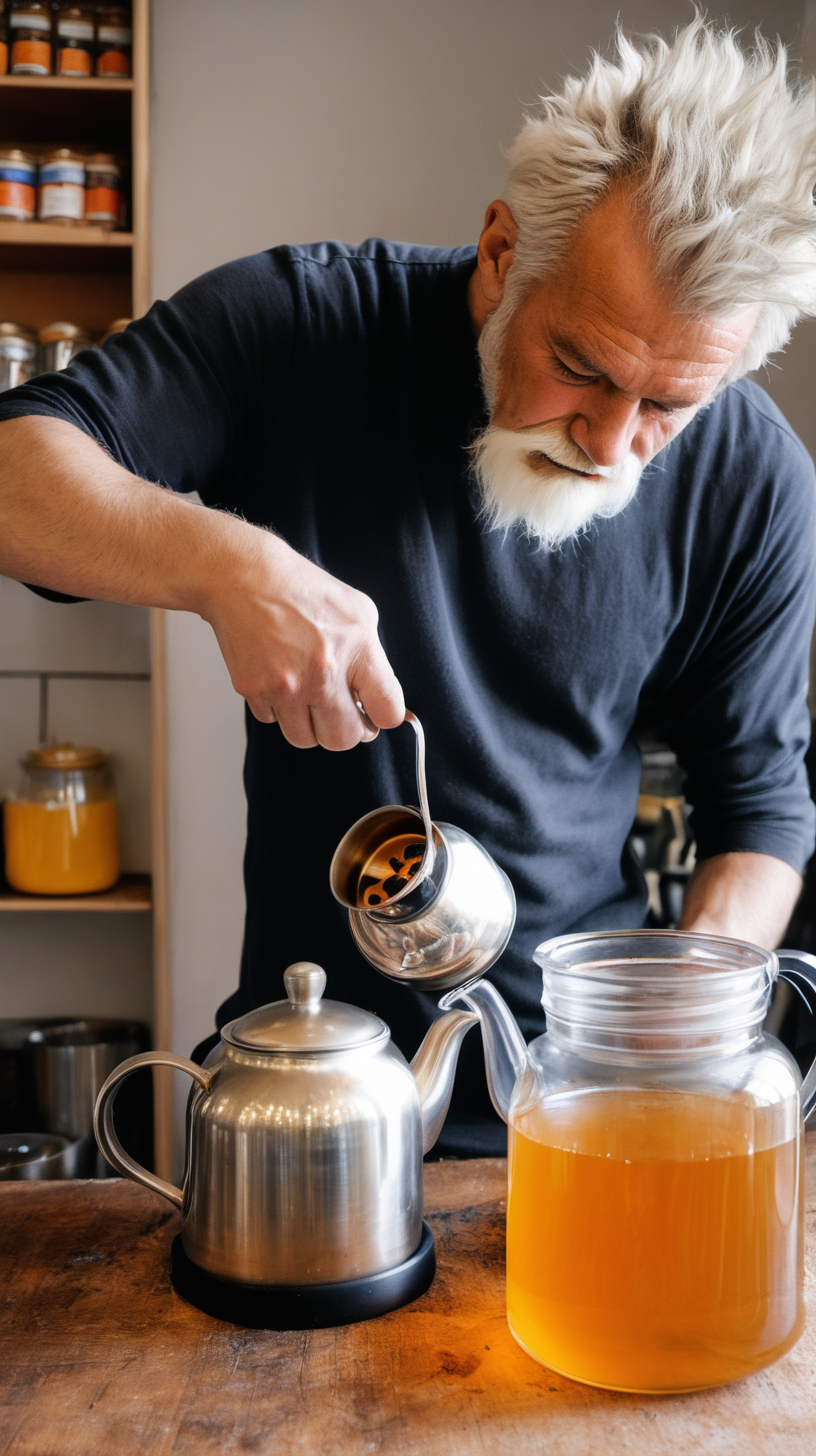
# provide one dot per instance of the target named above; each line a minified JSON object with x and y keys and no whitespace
{"x":655,"y":1214}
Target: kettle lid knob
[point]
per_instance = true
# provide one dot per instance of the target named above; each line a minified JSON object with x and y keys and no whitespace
{"x":305,"y":983}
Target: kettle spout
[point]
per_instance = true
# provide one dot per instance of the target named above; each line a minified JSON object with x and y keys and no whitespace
{"x":434,"y":1068}
{"x":505,"y":1051}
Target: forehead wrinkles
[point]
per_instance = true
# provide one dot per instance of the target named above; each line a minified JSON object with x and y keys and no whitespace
{"x":672,"y":351}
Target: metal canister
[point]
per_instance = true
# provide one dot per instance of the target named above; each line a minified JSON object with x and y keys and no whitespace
{"x":117,"y":327}
{"x":61,"y":195}
{"x":18,"y":355}
{"x":18,"y":185}
{"x":103,"y":190}
{"x":59,"y":343}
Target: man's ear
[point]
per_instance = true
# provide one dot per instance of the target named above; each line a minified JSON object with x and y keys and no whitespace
{"x":495,"y":254}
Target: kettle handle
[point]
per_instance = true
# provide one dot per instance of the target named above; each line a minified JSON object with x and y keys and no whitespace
{"x":802,"y":966}
{"x":103,"y":1119}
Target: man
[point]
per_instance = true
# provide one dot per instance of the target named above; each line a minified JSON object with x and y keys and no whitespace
{"x":618,"y":541}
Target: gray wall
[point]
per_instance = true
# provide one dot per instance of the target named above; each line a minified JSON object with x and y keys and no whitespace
{"x":307,"y":119}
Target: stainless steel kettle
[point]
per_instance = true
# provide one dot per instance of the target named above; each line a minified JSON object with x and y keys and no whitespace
{"x":427,"y":904}
{"x":302,"y":1196}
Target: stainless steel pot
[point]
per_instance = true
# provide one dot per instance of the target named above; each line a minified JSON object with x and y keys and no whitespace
{"x":38,"y":1155}
{"x":305,"y":1137}
{"x":71,"y":1062}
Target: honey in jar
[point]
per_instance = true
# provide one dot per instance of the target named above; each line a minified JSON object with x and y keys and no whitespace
{"x":61,"y":830}
{"x":654,"y":1237}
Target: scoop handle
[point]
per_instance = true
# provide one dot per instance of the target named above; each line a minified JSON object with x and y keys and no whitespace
{"x":103,"y":1119}
{"x":422,"y":784}
{"x":795,"y":966}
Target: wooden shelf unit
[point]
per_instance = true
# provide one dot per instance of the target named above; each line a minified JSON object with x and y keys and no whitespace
{"x":91,"y":277}
{"x":131,"y":892}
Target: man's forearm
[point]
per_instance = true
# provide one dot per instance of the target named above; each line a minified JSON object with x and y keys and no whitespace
{"x":300,"y":646}
{"x":746,"y":896}
{"x":74,"y":520}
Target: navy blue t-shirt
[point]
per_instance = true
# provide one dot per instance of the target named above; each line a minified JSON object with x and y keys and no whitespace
{"x":331,"y":392}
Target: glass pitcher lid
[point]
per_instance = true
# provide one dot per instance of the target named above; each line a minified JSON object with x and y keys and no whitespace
{"x":304,"y":1022}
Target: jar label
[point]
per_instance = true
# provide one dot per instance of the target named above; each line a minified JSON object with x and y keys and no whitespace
{"x":64,"y":199}
{"x":31,"y":58}
{"x":113,"y":63}
{"x":62,"y":172}
{"x":20,"y":21}
{"x":114,"y":35}
{"x":103,"y":204}
{"x":75,"y":29}
{"x":3,"y":58}
{"x":74,"y":62}
{"x":17,"y":198}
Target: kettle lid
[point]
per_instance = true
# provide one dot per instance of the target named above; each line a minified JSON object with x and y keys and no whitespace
{"x":304,"y":1022}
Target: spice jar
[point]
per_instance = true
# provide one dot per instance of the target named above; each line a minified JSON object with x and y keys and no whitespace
{"x":61,"y":829}
{"x":4,"y":55}
{"x":18,"y":355}
{"x":113,"y":40}
{"x":18,"y":185}
{"x":58,"y":345}
{"x":74,"y":39}
{"x":61,"y":196}
{"x":30,"y":36}
{"x":103,"y":190}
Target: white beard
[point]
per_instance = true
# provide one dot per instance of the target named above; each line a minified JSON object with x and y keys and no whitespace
{"x":519,"y":487}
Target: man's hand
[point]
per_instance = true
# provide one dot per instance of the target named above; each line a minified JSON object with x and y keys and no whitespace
{"x":300,"y":646}
{"x":745,"y":896}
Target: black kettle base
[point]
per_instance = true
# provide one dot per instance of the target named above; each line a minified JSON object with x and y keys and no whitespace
{"x":304,"y":1306}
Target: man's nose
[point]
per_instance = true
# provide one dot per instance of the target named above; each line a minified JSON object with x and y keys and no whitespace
{"x":606,"y":430}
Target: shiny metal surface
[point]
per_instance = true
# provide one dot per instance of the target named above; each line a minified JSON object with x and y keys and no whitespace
{"x":38,"y":1155}
{"x":304,"y":1165}
{"x":461,"y":929}
{"x":452,"y":919}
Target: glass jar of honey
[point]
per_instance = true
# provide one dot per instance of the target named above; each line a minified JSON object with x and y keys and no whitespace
{"x":61,"y":829}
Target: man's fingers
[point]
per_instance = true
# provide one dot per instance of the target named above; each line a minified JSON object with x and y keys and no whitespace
{"x":375,"y":685}
{"x":297,"y":727}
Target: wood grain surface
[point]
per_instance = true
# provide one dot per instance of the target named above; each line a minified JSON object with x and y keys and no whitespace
{"x":98,"y":1355}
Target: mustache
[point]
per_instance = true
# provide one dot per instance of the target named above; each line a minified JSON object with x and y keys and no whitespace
{"x":552,"y":444}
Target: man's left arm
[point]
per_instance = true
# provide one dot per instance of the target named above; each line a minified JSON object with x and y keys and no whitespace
{"x":747,"y":896}
{"x":737,"y":713}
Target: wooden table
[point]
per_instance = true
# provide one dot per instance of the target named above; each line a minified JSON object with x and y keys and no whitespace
{"x":98,"y":1355}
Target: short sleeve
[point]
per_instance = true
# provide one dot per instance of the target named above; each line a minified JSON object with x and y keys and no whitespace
{"x":182,"y":394}
{"x":737,"y":715}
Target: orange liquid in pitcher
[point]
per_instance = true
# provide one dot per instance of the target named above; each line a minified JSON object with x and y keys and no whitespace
{"x":61,"y":849}
{"x":655,"y":1239}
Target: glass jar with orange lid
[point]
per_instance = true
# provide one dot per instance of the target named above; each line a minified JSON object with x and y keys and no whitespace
{"x":61,"y":828}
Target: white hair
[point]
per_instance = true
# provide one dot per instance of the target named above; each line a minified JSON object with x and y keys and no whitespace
{"x":719,"y":145}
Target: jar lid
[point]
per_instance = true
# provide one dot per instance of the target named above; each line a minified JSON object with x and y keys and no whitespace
{"x":65,"y":756}
{"x":101,"y":159}
{"x":15,"y":154}
{"x":52,"y":333}
{"x":62,"y":154}
{"x":17,"y":331}
{"x":304,"y":1023}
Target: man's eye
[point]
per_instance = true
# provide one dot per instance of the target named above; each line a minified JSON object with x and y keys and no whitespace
{"x":570,"y":374}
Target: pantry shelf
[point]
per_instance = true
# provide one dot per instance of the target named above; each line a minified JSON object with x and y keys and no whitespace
{"x":66,"y":83}
{"x":56,"y":235}
{"x":132,"y":892}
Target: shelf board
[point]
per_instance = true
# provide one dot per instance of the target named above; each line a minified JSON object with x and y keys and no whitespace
{"x":54,"y":234}
{"x":133,"y":892}
{"x":67,"y":83}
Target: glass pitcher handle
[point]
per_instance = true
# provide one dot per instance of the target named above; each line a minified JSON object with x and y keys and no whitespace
{"x":796,"y":966}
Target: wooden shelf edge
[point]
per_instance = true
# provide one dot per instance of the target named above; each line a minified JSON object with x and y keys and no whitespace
{"x":133,"y":892}
{"x":68,"y":83}
{"x":54,"y":235}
